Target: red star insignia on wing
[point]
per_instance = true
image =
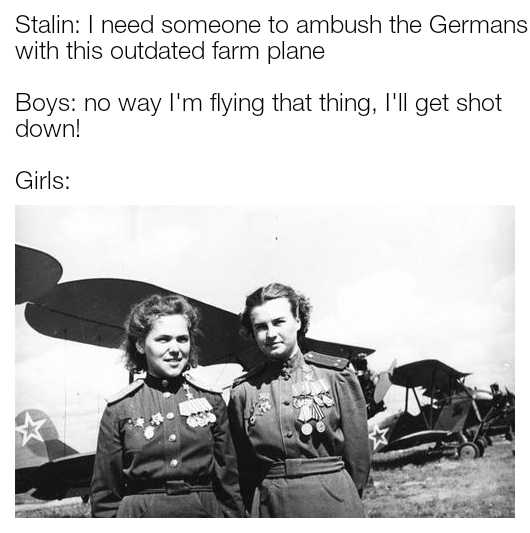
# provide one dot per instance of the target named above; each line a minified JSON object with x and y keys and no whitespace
{"x":378,"y":436}
{"x":30,"y":429}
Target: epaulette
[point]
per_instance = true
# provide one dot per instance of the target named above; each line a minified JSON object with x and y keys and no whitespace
{"x":191,"y":379}
{"x":328,"y":361}
{"x":125,"y":391}
{"x":252,"y":372}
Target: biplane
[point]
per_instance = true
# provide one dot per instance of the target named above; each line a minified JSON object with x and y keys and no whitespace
{"x":61,"y":400}
{"x":452,"y":415}
{"x":496,"y":412}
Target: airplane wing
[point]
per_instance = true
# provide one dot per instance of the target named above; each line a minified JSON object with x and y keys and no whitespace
{"x":93,"y":311}
{"x":61,"y":478}
{"x":35,"y":273}
{"x":339,"y":350}
{"x":433,"y":375}
{"x":418,"y":438}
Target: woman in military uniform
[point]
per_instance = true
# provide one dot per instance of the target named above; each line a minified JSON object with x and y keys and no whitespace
{"x":164,"y":447}
{"x":299,"y":420}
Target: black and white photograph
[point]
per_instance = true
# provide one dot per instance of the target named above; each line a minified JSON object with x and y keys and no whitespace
{"x":291,"y":362}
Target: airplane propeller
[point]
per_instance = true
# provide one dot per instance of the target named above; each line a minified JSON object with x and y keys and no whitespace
{"x":384,"y":383}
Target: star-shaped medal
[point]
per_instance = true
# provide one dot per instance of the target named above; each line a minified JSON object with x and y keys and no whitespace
{"x":30,"y":429}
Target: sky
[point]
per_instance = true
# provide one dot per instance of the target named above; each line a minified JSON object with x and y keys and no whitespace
{"x":409,"y":282}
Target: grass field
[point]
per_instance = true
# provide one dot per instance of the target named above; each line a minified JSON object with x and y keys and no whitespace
{"x":413,"y":484}
{"x":418,"y":484}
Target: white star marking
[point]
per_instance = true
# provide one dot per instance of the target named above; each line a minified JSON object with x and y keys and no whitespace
{"x":378,"y":436}
{"x":30,"y":430}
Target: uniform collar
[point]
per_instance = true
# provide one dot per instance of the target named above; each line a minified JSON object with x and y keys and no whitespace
{"x":164,"y":384}
{"x":286,"y":367}
{"x":294,"y":361}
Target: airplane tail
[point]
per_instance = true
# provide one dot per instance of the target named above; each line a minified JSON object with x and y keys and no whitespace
{"x":36,"y":443}
{"x":384,"y":383}
{"x":37,"y":439}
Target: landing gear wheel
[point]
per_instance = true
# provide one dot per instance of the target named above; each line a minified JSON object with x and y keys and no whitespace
{"x":469,"y":450}
{"x":481,"y":447}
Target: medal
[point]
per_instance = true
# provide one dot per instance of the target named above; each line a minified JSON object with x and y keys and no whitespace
{"x":260,"y":407}
{"x":307,"y":429}
{"x":157,"y":419}
{"x":263,"y":405}
{"x":327,"y":399}
{"x":147,"y":428}
{"x":189,"y":395}
{"x":312,"y":396}
{"x":198,"y":411}
{"x":319,"y":401}
{"x":305,"y":411}
{"x":317,"y":414}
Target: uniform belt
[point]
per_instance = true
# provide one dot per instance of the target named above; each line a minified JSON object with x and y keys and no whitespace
{"x":304,"y":467}
{"x":173,"y":488}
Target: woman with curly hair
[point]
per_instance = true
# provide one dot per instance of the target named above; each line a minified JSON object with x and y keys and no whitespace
{"x":164,"y":448}
{"x":298,"y":420}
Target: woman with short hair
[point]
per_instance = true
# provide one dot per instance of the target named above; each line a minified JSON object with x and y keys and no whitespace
{"x":164,"y":448}
{"x":298,"y":420}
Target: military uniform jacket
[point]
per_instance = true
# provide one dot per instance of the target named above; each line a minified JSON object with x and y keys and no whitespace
{"x":145,"y":441}
{"x":266,"y":427}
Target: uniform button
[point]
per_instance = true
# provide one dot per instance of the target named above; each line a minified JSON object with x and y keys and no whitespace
{"x":165,"y":383}
{"x":172,"y":437}
{"x":166,"y":394}
{"x":170,"y":416}
{"x":173,"y":463}
{"x":289,"y":434}
{"x":286,"y":402}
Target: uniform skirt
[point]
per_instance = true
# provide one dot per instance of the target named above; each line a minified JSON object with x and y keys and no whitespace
{"x":160,"y":505}
{"x":329,"y":495}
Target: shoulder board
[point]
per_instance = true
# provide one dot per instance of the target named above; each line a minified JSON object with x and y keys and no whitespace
{"x":192,"y":380}
{"x":327,"y":361}
{"x":252,"y":372}
{"x":125,"y":391}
